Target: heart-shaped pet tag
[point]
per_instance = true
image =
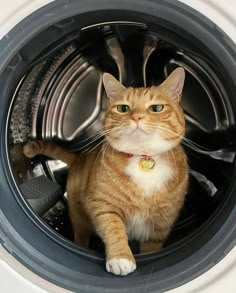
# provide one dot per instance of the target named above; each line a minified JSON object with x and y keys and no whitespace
{"x":147,"y":164}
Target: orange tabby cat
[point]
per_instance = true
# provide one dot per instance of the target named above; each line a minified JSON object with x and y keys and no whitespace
{"x":133,"y":186}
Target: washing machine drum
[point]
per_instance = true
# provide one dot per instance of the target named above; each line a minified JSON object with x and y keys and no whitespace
{"x":51,"y":69}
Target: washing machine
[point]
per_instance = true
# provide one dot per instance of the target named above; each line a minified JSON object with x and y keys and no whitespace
{"x":52,"y":56}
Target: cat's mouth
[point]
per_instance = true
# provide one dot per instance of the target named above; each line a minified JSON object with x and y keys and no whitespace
{"x":139,"y":128}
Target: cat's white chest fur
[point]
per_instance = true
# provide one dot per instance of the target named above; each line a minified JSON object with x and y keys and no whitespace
{"x":137,"y":228}
{"x":149,"y":181}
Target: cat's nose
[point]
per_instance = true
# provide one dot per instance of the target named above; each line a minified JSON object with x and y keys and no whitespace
{"x":136,"y":117}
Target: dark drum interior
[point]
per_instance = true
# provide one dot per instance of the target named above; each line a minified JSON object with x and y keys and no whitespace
{"x":61,"y":98}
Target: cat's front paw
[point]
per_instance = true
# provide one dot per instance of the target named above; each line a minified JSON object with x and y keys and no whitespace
{"x":120,"y":266}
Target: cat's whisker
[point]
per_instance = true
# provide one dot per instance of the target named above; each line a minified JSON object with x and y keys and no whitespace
{"x":173,"y":156}
{"x":103,"y":128}
{"x":188,"y":141}
{"x":120,"y":131}
{"x":195,"y":145}
{"x":98,"y":137}
{"x":112,"y":130}
{"x":98,"y":144}
{"x":95,"y":135}
{"x":168,"y":158}
{"x":91,"y":142}
{"x":165,"y":135}
{"x":177,"y":148}
{"x":98,"y":155}
{"x":112,"y":125}
{"x":105,"y":148}
{"x":112,"y":153}
{"x":180,"y":152}
{"x":98,"y":133}
{"x":168,"y":138}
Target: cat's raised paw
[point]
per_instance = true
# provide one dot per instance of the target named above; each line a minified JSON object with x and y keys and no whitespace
{"x":120,"y":266}
{"x":31,"y":149}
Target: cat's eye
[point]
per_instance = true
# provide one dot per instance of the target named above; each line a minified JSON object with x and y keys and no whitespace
{"x":156,"y":108}
{"x":123,"y":108}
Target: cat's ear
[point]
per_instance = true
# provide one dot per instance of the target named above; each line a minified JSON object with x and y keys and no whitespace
{"x":113,"y":87}
{"x":174,"y":84}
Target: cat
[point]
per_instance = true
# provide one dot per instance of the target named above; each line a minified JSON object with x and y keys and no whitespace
{"x":134,"y":185}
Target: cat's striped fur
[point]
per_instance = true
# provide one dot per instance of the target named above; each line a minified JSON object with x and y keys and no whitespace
{"x":107,"y":190}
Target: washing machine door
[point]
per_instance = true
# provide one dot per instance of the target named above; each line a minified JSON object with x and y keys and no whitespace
{"x":52,"y":54}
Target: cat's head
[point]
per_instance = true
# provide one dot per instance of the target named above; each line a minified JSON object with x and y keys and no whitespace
{"x":145,"y":120}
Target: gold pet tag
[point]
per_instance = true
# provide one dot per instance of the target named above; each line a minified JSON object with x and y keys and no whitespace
{"x":147,"y":164}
